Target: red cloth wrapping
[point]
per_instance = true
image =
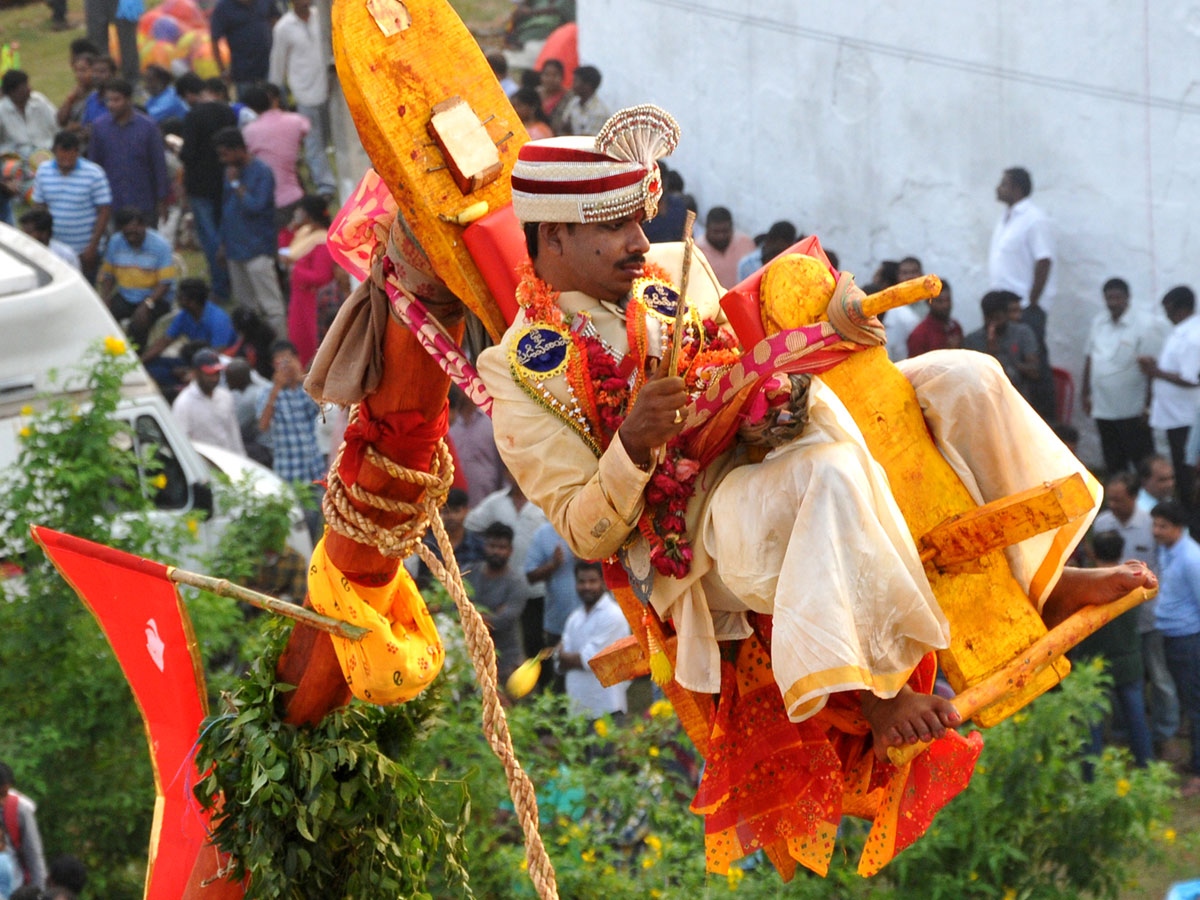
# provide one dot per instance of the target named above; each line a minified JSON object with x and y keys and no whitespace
{"x":404,"y":437}
{"x":741,"y":304}
{"x":769,"y":781}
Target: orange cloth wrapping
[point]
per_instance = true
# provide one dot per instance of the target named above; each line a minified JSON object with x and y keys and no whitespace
{"x":401,"y":655}
{"x":769,"y":780}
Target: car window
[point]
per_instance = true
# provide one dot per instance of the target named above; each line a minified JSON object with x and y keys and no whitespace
{"x":174,"y":495}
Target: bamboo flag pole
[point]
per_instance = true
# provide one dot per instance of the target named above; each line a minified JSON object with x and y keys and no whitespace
{"x":224,"y":588}
{"x":1052,"y":645}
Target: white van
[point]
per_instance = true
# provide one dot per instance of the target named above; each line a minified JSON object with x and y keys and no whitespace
{"x":49,"y":316}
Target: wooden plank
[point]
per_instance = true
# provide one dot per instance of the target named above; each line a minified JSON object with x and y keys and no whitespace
{"x":1002,"y":523}
{"x":396,"y":61}
{"x":620,"y":661}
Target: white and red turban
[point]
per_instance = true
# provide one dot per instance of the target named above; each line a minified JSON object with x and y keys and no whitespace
{"x":585,"y":179}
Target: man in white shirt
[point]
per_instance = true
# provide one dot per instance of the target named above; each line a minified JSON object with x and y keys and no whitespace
{"x":589,"y":629}
{"x":512,"y":508}
{"x":1176,"y":378}
{"x":205,"y":409}
{"x":1115,"y":390}
{"x":1021,"y":257}
{"x":298,"y":61}
{"x":1130,"y":520}
{"x":583,"y":112}
{"x":901,"y":321}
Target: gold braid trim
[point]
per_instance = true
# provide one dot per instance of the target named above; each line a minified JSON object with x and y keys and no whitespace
{"x":401,"y":541}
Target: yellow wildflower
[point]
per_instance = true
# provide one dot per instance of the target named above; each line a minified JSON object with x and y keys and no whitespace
{"x":654,"y":842}
{"x":648,"y":862}
{"x":114,"y":346}
{"x":1123,"y":787}
{"x":653,"y":751}
{"x":524,"y":865}
{"x":610,"y":870}
{"x":27,"y":410}
{"x":562,"y":840}
{"x":588,"y":856}
{"x":158,"y":482}
{"x":601,"y":727}
{"x":562,"y":821}
{"x":25,"y":432}
{"x":661,"y":709}
{"x":1010,"y":894}
{"x":974,"y":876}
{"x":1169,"y":835}
{"x":734,"y":877}
{"x":193,"y":526}
{"x":655,"y":892}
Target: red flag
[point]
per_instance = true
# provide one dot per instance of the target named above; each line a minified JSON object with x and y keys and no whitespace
{"x":148,"y":627}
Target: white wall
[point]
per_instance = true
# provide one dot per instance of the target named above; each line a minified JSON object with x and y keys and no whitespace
{"x":883,"y":127}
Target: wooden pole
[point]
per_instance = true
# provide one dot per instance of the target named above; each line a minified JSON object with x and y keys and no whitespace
{"x":224,"y":588}
{"x":1057,"y":641}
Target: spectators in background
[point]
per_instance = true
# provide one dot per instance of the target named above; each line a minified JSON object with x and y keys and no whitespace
{"x":1013,"y":344}
{"x":528,"y":106}
{"x":137,"y":279}
{"x":315,"y":290}
{"x":129,"y":147}
{"x":246,"y":26}
{"x":275,"y":137}
{"x":937,"y":331}
{"x":205,"y":407}
{"x":901,"y":321}
{"x":39,"y":225}
{"x":583,"y":112}
{"x":76,"y":193}
{"x":723,"y":245}
{"x":298,"y":63}
{"x":162,"y":100}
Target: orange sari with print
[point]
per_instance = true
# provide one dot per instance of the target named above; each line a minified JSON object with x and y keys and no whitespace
{"x":770,"y":780}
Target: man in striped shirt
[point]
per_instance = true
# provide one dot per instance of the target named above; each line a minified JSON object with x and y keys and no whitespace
{"x":137,"y":279}
{"x":77,"y":194}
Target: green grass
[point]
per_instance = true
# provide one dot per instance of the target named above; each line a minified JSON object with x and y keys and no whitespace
{"x":44,"y":53}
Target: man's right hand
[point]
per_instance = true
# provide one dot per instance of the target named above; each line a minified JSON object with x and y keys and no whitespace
{"x":651,"y":422}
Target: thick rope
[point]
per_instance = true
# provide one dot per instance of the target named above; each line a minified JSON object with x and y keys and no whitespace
{"x":401,"y":541}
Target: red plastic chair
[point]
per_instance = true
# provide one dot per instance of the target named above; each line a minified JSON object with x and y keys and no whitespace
{"x":1064,"y":395}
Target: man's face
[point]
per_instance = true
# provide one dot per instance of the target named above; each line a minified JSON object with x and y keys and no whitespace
{"x":1161,"y":483}
{"x":118,"y":105}
{"x":939,"y":306}
{"x":301,"y":7}
{"x":1006,"y":192}
{"x":66,"y":159}
{"x":453,"y":517}
{"x":207,"y":381}
{"x":1117,"y":301}
{"x":719,"y":234}
{"x":1176,"y":313}
{"x":604,"y":257}
{"x":42,"y":237}
{"x":135,"y":233}
{"x":192,"y":306}
{"x":101,"y":72}
{"x":496,"y":552}
{"x":552,"y":79}
{"x":1014,"y":311}
{"x":83,"y":73}
{"x":231,"y":156}
{"x":583,"y":90}
{"x":21,"y":94}
{"x":910,"y":269}
{"x":589,"y":585}
{"x":771,"y":248}
{"x":1165,"y":532}
{"x":1119,"y":500}
{"x":286,"y":361}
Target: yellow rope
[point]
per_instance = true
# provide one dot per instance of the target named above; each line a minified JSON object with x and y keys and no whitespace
{"x":401,"y":541}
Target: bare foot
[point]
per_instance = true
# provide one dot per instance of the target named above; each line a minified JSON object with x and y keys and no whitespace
{"x":907,"y":718}
{"x":1078,"y":588}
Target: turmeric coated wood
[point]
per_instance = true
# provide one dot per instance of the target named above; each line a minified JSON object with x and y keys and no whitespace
{"x":1004,"y":522}
{"x":992,"y":620}
{"x":392,"y":82}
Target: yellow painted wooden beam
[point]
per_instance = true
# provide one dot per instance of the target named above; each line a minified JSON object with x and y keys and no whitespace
{"x":966,"y":537}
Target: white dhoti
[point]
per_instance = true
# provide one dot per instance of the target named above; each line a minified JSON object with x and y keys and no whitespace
{"x":813,"y":536}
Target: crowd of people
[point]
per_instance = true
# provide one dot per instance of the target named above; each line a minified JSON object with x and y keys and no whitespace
{"x":131,"y":171}
{"x":24,"y":873}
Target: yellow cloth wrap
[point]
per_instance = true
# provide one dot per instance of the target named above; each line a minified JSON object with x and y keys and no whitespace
{"x":402,"y":653}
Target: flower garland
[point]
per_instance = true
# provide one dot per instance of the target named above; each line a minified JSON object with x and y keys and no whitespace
{"x":606,"y":395}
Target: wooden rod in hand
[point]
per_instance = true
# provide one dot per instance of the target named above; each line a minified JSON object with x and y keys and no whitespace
{"x":681,"y":306}
{"x":1043,"y":652}
{"x":224,"y":588}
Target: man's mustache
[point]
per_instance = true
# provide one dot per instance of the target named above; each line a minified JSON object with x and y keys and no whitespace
{"x":638,"y":258}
